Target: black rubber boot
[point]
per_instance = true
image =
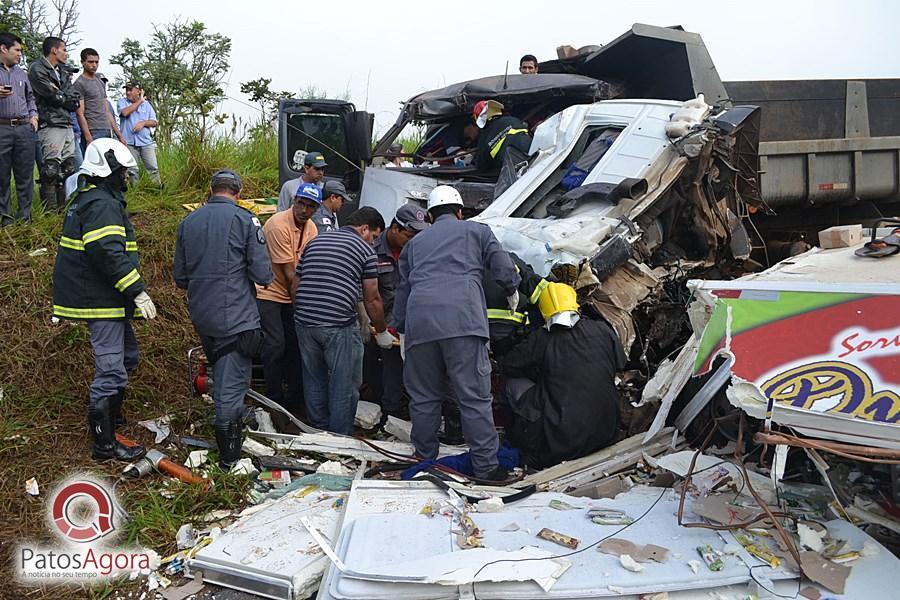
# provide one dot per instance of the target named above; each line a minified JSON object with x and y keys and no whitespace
{"x":49,"y":197}
{"x":105,"y":444}
{"x":498,"y":474}
{"x":452,"y":435}
{"x":115,"y":407}
{"x":228,"y":439}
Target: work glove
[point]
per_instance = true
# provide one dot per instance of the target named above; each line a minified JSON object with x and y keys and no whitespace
{"x":513,"y":300}
{"x":385,"y":340}
{"x":146,"y":306}
{"x":402,"y":347}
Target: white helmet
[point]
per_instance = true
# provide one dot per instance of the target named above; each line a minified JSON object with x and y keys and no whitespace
{"x":95,"y":163}
{"x":443,"y":195}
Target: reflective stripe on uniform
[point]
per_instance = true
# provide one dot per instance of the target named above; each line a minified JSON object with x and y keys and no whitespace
{"x":506,"y":315}
{"x":496,"y":147}
{"x":536,"y":294}
{"x":127,"y":280}
{"x":73,"y":244}
{"x":70,"y":243}
{"x":97,"y":234}
{"x":89,"y":313}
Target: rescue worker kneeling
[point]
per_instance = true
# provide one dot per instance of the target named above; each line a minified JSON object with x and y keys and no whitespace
{"x":560,"y":384}
{"x":96,"y":279}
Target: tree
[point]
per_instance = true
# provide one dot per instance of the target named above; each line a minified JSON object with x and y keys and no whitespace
{"x":33,"y":20}
{"x":181,"y":70}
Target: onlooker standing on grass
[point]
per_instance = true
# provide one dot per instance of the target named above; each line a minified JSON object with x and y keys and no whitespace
{"x":18,"y":123}
{"x":287,"y":234}
{"x":56,"y":99}
{"x":313,"y":171}
{"x":335,"y":270}
{"x":136,"y":117}
{"x":95,"y":118}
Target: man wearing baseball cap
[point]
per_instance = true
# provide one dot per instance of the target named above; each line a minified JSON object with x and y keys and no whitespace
{"x":334,"y":195}
{"x":221,"y":298}
{"x":313,"y":171}
{"x":385,"y":380}
{"x":287,"y":234}
{"x":136,"y":118}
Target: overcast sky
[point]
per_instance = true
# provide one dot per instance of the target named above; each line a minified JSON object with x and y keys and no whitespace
{"x":385,"y":52}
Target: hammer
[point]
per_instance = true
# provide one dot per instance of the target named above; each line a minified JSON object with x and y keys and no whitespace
{"x":156,"y":460}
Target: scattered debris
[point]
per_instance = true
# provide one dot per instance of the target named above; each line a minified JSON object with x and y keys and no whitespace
{"x":609,"y":516}
{"x":712,"y":558}
{"x":558,"y":538}
{"x":38,"y":252}
{"x":368,"y":415}
{"x":186,"y":537}
{"x":31,"y":487}
{"x":254,"y":448}
{"x":332,"y":467}
{"x":492,"y":504}
{"x":560,"y":505}
{"x":160,"y":426}
{"x":196,"y":459}
{"x":400,"y":429}
{"x":629,"y":563}
{"x":694,"y":565}
{"x":618,"y":547}
{"x":510,"y":528}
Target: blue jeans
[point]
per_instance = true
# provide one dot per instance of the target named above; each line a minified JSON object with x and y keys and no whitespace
{"x":332,"y":374}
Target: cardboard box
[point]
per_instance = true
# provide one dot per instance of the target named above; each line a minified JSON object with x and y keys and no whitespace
{"x":843,"y":236}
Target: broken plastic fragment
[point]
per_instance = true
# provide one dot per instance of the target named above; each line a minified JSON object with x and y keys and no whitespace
{"x":630,"y":564}
{"x":159,"y":426}
{"x":196,"y":458}
{"x":812,"y":535}
{"x":694,"y":565}
{"x":560,"y":505}
{"x":509,"y":528}
{"x":490,"y":505}
{"x":31,"y":487}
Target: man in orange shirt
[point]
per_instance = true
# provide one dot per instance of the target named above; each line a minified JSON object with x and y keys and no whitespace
{"x":287,"y":234}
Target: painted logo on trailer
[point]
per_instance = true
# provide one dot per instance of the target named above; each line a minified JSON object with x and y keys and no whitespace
{"x":100,"y":503}
{"x":833,"y":387}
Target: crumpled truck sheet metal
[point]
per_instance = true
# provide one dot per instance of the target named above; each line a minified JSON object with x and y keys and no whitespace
{"x":827,"y":357}
{"x":270,"y":553}
{"x":592,"y":574}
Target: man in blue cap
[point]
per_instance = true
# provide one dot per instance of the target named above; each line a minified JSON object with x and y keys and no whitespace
{"x":313,"y":171}
{"x":222,"y":298}
{"x":287,"y":234}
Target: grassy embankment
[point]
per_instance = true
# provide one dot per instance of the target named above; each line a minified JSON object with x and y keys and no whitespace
{"x":46,"y":369}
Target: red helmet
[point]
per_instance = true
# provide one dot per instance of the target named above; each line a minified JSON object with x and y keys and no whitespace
{"x":480,"y":107}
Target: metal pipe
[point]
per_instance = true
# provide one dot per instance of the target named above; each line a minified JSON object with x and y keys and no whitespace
{"x":164,"y":465}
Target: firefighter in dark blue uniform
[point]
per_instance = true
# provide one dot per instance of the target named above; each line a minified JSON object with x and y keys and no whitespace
{"x":96,"y":280}
{"x":220,"y":253}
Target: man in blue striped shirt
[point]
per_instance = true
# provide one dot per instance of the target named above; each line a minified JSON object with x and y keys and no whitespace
{"x":336,"y":270}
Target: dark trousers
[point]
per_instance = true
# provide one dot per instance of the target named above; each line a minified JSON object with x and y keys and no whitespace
{"x":281,"y":354}
{"x":115,"y":357}
{"x":17,"y":144}
{"x":383,"y":372}
{"x":457,"y":366}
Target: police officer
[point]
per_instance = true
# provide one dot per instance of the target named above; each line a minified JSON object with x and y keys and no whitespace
{"x":441,"y":315}
{"x":384,"y":367}
{"x":96,"y":279}
{"x":334,"y":196}
{"x":220,"y":252}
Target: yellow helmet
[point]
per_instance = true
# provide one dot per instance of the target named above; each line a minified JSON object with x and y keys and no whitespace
{"x":559,"y":305}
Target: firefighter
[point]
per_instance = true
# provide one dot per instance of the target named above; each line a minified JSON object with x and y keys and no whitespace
{"x":222,"y":298}
{"x":96,"y":280}
{"x":559,"y":384}
{"x":440,"y":313}
{"x":500,"y":136}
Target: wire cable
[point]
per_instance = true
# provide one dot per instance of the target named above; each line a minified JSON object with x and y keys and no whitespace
{"x":566,"y":555}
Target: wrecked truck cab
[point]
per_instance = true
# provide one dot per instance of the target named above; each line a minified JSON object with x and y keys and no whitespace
{"x":646,"y":196}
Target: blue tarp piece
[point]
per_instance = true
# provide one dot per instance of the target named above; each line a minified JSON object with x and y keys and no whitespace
{"x":507,"y":456}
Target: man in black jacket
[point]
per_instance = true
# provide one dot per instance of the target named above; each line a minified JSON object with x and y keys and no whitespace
{"x":560,"y":384}
{"x":96,"y":280}
{"x":500,"y":135}
{"x":56,"y":99}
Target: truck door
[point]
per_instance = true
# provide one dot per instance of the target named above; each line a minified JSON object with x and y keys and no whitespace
{"x":333,"y":127}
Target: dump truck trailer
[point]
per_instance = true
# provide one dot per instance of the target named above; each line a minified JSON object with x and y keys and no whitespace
{"x":829,"y":150}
